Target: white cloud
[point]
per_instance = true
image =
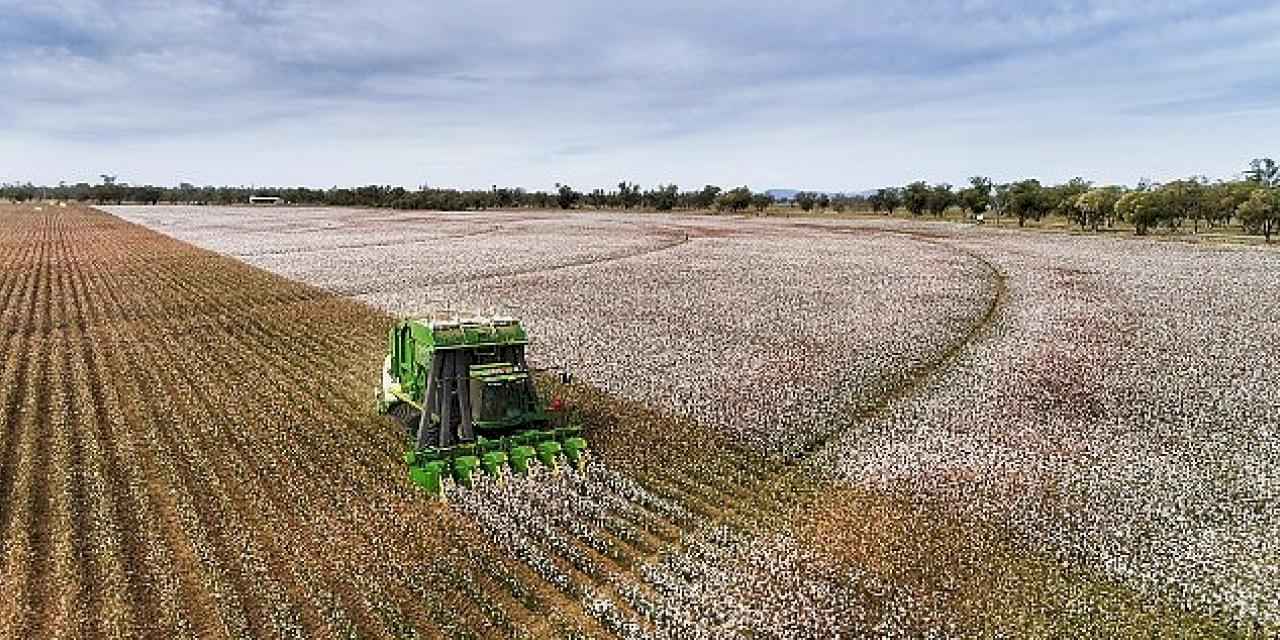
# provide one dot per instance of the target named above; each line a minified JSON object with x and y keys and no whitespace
{"x":830,"y":95}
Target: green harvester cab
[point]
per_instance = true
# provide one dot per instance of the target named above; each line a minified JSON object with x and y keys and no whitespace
{"x":463,"y":393}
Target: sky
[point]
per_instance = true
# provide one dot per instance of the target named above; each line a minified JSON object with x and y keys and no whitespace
{"x":840,"y":96}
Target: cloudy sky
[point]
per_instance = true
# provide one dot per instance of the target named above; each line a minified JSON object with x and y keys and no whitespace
{"x":827,"y":95}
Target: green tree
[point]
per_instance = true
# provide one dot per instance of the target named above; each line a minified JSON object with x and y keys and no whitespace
{"x":976,"y":198}
{"x":805,"y":200}
{"x":877,"y":201}
{"x":1027,"y":200}
{"x":1263,"y":171}
{"x":1226,"y":198}
{"x":109,"y":192}
{"x":1062,"y":198}
{"x":734,"y":199}
{"x":596,"y":199}
{"x":184,"y":193}
{"x":148,"y":195}
{"x":566,"y":197}
{"x":1261,"y":212}
{"x":629,"y":194}
{"x":761,"y":202}
{"x":1126,"y":204}
{"x":664,"y":197}
{"x":705,"y":198}
{"x":1001,"y":196}
{"x":915,"y":197}
{"x":941,"y":197}
{"x":891,"y":198}
{"x":1097,"y":206}
{"x":20,"y":192}
{"x":1183,"y":200}
{"x":1141,"y":208}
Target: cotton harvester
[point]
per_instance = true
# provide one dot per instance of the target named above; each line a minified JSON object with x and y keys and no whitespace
{"x":463,"y":392}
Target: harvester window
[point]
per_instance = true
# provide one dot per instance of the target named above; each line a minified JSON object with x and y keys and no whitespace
{"x":498,"y":401}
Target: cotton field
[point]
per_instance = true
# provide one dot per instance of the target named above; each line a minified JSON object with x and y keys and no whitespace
{"x":1074,"y":424}
{"x":1122,"y":412}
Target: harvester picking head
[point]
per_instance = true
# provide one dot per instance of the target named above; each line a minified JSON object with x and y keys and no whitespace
{"x":464,"y":394}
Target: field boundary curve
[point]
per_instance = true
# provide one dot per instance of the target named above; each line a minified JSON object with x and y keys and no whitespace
{"x":918,"y":375}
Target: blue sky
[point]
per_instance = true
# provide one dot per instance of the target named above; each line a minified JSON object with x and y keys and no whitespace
{"x":825,"y":95}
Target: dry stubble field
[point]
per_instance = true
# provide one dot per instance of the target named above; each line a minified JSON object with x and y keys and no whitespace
{"x":801,"y":430}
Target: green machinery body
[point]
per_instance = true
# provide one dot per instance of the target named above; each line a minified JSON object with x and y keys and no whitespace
{"x":463,"y":392}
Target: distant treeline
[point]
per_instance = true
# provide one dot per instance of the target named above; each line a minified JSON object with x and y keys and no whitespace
{"x":627,"y":196}
{"x":1253,"y":201}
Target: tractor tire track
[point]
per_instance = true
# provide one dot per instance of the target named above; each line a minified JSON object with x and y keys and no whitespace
{"x":916,"y":376}
{"x":667,"y":245}
{"x":366,"y":245}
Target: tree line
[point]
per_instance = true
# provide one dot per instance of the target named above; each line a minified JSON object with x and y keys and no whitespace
{"x":1253,"y":201}
{"x":627,"y":196}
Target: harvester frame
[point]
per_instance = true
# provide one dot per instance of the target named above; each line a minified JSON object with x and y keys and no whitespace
{"x":466,"y":398}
